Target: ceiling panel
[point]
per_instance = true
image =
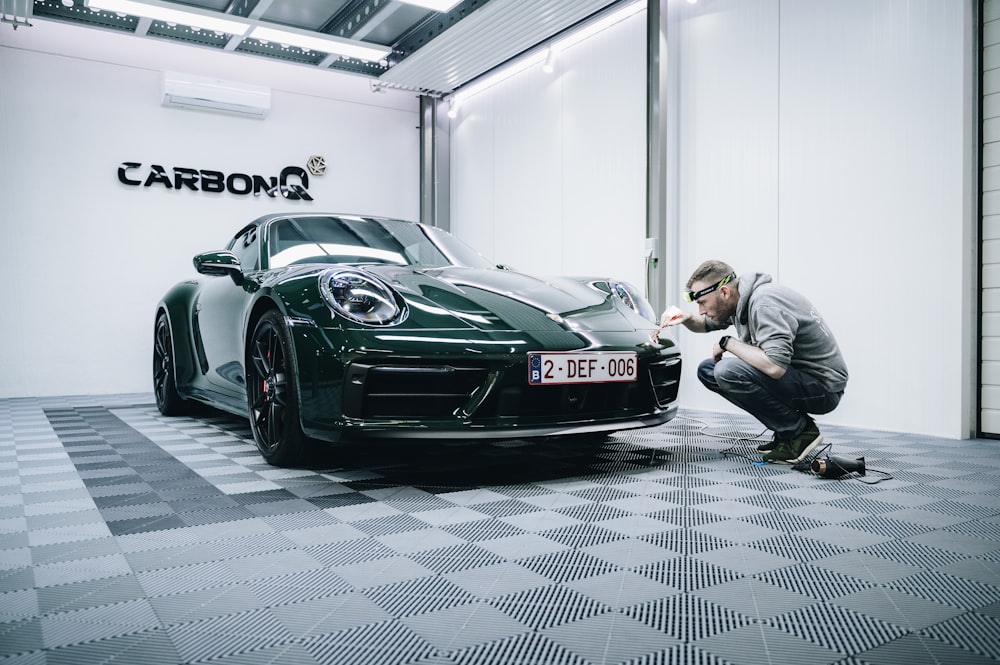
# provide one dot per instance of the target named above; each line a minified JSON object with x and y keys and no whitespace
{"x":307,"y":14}
{"x":432,"y":52}
{"x":214,"y":5}
{"x":489,"y":37}
{"x":394,"y":22}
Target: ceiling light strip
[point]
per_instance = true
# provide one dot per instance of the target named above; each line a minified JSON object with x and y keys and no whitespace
{"x":162,"y":12}
{"x":435,"y":5}
{"x":323,"y":44}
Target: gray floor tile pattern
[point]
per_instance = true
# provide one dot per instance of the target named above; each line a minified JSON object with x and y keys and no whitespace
{"x":128,"y":537}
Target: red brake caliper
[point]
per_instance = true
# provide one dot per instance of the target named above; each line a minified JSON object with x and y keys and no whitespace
{"x":265,"y":380}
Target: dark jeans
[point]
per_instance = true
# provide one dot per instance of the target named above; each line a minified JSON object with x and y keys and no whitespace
{"x":781,"y":404}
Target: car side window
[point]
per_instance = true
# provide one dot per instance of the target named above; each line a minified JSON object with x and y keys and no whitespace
{"x":246,"y":247}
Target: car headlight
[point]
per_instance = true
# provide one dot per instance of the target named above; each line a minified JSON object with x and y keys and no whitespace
{"x":360,"y":297}
{"x":635,"y":300}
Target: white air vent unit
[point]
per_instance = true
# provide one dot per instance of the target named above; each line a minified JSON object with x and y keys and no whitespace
{"x":208,"y":94}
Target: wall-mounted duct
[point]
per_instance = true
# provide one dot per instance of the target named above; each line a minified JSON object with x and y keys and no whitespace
{"x":209,"y":94}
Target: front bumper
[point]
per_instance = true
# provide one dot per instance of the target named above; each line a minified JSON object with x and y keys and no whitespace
{"x":440,"y":385}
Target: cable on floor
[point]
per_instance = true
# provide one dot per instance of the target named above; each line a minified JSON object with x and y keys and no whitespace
{"x":806,"y":465}
{"x":733,"y":450}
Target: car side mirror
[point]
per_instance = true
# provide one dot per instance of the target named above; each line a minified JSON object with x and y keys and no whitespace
{"x":219,"y":263}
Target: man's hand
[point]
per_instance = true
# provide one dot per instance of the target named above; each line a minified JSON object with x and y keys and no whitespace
{"x":672,"y":316}
{"x":717,"y":351}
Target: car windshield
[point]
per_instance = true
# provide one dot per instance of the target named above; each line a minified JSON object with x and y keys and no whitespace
{"x":347,"y":239}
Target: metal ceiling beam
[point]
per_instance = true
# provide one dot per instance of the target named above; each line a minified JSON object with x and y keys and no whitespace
{"x":353,"y":17}
{"x":246,"y":9}
{"x":377,"y":19}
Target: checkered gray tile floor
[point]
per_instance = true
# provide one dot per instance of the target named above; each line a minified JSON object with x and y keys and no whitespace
{"x":127,"y":537}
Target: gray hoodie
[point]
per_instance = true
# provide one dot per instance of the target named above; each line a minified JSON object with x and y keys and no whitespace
{"x":788,"y":328}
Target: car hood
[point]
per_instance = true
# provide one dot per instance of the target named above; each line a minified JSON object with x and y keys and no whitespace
{"x":460,"y":297}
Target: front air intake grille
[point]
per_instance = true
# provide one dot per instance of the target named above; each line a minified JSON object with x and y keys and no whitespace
{"x":403,"y":391}
{"x":665,"y":376}
{"x":442,"y":392}
{"x":572,"y":401}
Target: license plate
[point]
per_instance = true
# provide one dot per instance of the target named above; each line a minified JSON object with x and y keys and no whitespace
{"x":585,"y":367}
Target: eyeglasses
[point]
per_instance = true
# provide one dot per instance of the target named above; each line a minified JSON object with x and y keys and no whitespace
{"x":694,"y":295}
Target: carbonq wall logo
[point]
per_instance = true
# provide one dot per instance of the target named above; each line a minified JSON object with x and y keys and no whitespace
{"x":292,"y":183}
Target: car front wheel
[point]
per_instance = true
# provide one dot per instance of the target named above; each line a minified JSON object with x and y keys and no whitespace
{"x":168,"y":401}
{"x":272,"y":397}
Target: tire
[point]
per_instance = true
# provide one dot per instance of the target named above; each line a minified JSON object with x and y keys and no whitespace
{"x":168,"y":401}
{"x":272,"y":393}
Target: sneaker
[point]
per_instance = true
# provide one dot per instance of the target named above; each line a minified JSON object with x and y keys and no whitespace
{"x":782,"y":453}
{"x":796,"y":450}
{"x":768,"y":446}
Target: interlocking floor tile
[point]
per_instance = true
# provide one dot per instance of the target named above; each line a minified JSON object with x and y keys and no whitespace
{"x":126,"y":536}
{"x":591,"y":638}
{"x":479,"y":623}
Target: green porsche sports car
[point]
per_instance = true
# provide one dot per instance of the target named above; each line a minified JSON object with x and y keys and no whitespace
{"x":329,"y":326}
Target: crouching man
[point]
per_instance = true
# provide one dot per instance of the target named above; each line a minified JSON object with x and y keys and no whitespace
{"x":782,"y":365}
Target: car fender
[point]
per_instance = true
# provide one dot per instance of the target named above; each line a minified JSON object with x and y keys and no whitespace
{"x":177,"y":304}
{"x":263,"y":301}
{"x":281,"y":297}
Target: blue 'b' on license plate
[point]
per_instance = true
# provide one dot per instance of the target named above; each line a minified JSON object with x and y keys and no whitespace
{"x":535,"y":370}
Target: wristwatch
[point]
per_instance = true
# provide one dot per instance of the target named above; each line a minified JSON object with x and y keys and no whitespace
{"x":723,"y":341}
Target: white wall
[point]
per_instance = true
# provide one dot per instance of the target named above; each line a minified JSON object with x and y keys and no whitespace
{"x":549,"y":170}
{"x":86,"y":258}
{"x":823,"y":142}
{"x":882,"y":187}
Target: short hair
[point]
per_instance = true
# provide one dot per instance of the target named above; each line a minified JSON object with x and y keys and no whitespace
{"x":710,"y":271}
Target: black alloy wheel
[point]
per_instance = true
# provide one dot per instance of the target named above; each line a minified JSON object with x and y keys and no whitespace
{"x":168,"y":401}
{"x":271,"y":393}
